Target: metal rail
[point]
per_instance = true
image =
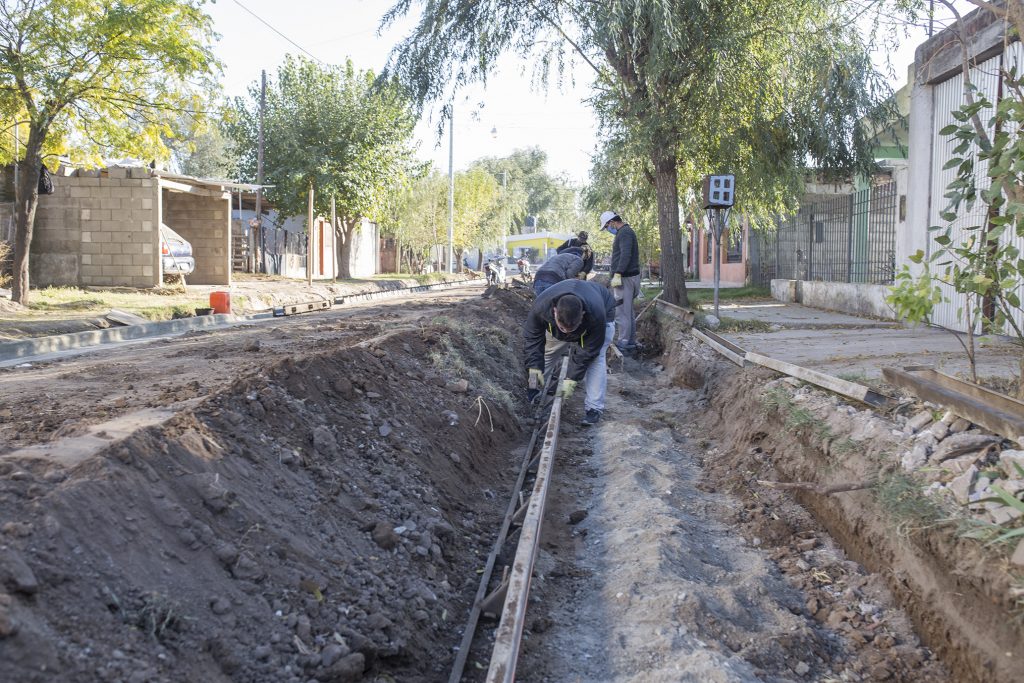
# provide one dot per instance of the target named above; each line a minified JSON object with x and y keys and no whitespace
{"x":509,"y":635}
{"x":481,"y":594}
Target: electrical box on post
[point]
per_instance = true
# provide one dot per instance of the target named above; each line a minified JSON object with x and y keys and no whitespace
{"x":719,"y":191}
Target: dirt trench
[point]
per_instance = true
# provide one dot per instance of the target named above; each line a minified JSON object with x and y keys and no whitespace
{"x":961,"y":599}
{"x":661,"y":581}
{"x":321,"y":518}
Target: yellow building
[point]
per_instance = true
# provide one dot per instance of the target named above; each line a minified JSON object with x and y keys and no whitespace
{"x":538,"y":245}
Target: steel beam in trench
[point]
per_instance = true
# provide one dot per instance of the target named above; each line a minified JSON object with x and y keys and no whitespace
{"x":509,"y":635}
{"x":992,"y":410}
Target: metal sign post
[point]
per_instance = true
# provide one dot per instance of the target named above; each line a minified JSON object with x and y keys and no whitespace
{"x":719,"y":194}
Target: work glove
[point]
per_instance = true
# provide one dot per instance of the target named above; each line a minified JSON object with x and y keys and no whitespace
{"x":566,"y":388}
{"x":535,"y":384}
{"x":616,"y":280}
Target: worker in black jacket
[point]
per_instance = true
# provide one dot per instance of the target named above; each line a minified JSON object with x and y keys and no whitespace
{"x":580,"y":242}
{"x":580,"y":314}
{"x":625,"y":272}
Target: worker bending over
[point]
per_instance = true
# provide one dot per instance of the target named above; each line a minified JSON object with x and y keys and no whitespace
{"x":579,"y":315}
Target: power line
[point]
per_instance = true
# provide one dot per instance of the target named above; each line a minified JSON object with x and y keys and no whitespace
{"x":268,"y":25}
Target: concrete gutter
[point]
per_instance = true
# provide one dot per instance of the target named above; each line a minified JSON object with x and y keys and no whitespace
{"x":15,"y":352}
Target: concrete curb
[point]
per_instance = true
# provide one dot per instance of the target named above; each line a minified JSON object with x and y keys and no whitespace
{"x":38,"y":346}
{"x":26,"y":348}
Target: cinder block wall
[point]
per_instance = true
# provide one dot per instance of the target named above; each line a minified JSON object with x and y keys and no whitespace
{"x":206,"y":223}
{"x":98,"y":231}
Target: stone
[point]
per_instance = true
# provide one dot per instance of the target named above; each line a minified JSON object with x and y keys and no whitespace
{"x":384,"y":429}
{"x":324,"y":441}
{"x":958,"y":444}
{"x":940,"y":430}
{"x":1010,"y":461}
{"x":918,"y":422}
{"x":455,"y":458}
{"x":331,"y":653}
{"x":1004,"y":513}
{"x":459,"y":387}
{"x":348,"y":669}
{"x":246,"y":569}
{"x":960,"y":487}
{"x":303,"y":628}
{"x":958,"y":466}
{"x":1018,"y":555}
{"x":959,"y":426}
{"x":262,"y":652}
{"x":577,"y":516}
{"x":915,"y":458}
{"x":801,"y":669}
{"x":384,"y":536}
{"x":712,"y":322}
{"x":220,"y":605}
{"x":8,"y":624}
{"x":15,"y":572}
{"x":344,"y":387}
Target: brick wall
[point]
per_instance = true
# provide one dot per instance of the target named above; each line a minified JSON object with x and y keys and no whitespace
{"x":205,"y":221}
{"x":98,"y":231}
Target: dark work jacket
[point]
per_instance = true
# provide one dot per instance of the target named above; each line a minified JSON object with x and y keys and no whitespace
{"x":625,"y":253}
{"x":588,"y":263}
{"x":587,"y":339}
{"x":560,"y":267}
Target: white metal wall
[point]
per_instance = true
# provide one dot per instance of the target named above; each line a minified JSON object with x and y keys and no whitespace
{"x":948,"y":97}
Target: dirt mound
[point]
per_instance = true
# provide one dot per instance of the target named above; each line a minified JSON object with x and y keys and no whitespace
{"x":962,"y":604}
{"x":8,"y":306}
{"x":320,"y":520}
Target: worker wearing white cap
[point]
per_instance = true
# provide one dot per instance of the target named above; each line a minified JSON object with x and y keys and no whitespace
{"x":625,"y":272}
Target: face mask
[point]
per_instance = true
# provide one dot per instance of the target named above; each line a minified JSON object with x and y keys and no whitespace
{"x":614,"y":231}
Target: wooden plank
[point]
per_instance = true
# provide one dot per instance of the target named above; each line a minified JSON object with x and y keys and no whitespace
{"x":124,"y":317}
{"x":840,"y":386}
{"x":684,"y":315}
{"x":735,"y":354}
{"x":649,"y":306}
{"x":977,"y":410}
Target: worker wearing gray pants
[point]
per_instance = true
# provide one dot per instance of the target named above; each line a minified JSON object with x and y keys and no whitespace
{"x":625,"y":270}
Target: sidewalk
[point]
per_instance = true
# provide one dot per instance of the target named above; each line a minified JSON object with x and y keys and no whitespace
{"x":841,"y":344}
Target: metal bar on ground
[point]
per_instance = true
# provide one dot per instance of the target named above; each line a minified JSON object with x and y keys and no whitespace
{"x":650,"y":305}
{"x":1002,"y":415}
{"x":509,"y":635}
{"x":485,"y":578}
{"x":852,"y":390}
{"x":722,"y":345}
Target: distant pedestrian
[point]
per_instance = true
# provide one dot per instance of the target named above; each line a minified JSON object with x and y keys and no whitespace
{"x":625,"y":272}
{"x":580,"y":242}
{"x":579,"y":314}
{"x":564,"y":266}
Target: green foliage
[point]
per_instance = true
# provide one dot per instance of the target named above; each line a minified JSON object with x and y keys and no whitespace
{"x":333,"y":127}
{"x":906,"y":507}
{"x":913,"y":298}
{"x":94,"y":79}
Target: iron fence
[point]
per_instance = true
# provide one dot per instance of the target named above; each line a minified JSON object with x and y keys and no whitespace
{"x":847,"y":238}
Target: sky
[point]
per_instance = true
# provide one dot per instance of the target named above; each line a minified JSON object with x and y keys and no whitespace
{"x":508,"y":115}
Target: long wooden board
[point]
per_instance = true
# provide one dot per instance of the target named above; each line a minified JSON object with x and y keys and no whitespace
{"x":852,"y":390}
{"x":1001,"y":415}
{"x":722,"y":345}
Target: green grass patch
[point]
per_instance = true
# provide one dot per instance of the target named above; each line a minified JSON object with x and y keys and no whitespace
{"x":422,"y":279}
{"x":156,"y":304}
{"x":906,"y":506}
{"x":706,"y":296}
{"x":465,"y":360}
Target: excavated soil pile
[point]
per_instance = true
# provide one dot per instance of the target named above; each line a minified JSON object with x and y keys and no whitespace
{"x":756,"y":428}
{"x":321,"y":520}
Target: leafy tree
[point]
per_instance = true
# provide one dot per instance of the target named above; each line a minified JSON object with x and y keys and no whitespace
{"x":772,"y":83}
{"x":206,"y":151}
{"x":336,"y":129}
{"x":95,"y":78}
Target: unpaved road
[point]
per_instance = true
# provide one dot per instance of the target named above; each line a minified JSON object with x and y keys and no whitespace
{"x":658,"y":584}
{"x":56,"y":399}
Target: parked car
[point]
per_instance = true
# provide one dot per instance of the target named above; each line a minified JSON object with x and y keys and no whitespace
{"x":176,"y":252}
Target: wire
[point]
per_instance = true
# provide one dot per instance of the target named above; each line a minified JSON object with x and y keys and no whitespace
{"x":268,"y":25}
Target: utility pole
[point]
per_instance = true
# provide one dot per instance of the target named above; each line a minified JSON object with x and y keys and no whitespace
{"x":309,"y":239}
{"x":451,"y":190}
{"x":259,"y":175}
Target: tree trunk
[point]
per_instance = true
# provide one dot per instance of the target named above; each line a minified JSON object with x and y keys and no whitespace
{"x":348,"y":227}
{"x":26,"y":199}
{"x":673,"y":263}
